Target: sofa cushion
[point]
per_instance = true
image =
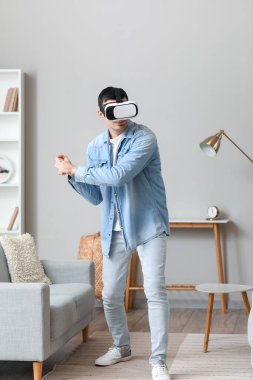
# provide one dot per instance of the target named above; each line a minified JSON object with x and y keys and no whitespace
{"x":23,"y":262}
{"x":4,"y":271}
{"x":69,"y":303}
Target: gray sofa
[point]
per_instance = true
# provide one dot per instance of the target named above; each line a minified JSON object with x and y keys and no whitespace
{"x":37,"y":319}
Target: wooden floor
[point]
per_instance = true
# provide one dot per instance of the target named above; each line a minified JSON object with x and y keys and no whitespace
{"x":181,"y":320}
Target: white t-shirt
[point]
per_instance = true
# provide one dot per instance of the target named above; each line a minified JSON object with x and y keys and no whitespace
{"x":115,"y":146}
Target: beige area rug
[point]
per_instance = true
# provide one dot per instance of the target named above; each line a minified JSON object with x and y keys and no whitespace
{"x":228,"y":358}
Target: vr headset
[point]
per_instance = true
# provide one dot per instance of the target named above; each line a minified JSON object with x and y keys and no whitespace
{"x":120,"y":110}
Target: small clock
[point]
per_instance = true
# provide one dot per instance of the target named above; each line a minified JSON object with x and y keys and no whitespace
{"x":213,"y":212}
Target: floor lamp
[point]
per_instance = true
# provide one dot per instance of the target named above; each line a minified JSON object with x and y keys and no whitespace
{"x":211,"y":144}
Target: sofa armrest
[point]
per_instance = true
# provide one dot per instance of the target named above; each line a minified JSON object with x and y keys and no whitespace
{"x":64,"y":272}
{"x":24,"y":321}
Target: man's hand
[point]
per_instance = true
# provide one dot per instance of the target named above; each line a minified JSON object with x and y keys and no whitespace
{"x":64,"y":166}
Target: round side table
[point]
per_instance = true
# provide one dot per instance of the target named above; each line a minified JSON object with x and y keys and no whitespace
{"x":213,"y":288}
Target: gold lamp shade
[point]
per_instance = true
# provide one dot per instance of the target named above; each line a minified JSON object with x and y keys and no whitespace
{"x":210,"y":146}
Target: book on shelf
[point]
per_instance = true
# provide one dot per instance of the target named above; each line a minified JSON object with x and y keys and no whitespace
{"x":13,"y":219}
{"x":11,"y":101}
{"x":8,"y":99}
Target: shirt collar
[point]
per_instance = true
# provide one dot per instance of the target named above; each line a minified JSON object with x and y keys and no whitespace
{"x":128,"y":133}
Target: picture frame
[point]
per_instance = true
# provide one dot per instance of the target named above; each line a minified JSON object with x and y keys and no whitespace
{"x":6,"y":169}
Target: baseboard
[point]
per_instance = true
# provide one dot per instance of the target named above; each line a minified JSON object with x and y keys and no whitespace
{"x":186,"y":304}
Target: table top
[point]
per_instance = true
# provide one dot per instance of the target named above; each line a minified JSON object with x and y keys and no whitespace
{"x":189,"y":220}
{"x":223,"y":288}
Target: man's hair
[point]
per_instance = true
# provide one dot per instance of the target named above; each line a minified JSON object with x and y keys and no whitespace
{"x":108,"y":93}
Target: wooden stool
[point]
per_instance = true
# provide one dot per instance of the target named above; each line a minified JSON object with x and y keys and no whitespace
{"x":211,"y":289}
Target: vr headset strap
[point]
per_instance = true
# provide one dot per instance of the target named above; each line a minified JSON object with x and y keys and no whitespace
{"x":118,"y":99}
{"x":117,"y":95}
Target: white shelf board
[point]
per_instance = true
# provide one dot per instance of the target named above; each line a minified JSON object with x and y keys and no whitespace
{"x":8,"y":232}
{"x":9,"y":140}
{"x":9,"y":185}
{"x":4,"y":71}
{"x":8,"y":113}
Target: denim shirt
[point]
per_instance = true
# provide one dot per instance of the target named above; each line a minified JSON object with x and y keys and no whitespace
{"x":134,"y":184}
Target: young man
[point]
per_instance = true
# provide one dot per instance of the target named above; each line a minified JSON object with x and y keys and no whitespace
{"x":124,"y":172}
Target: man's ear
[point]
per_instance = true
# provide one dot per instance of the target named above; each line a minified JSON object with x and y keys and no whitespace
{"x":100,"y":114}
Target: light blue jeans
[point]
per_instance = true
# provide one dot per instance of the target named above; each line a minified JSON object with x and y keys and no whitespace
{"x":152,"y":256}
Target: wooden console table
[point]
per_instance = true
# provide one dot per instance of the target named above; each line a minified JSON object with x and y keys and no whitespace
{"x":189,"y":224}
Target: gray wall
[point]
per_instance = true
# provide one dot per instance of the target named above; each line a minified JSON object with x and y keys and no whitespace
{"x":188,"y":64}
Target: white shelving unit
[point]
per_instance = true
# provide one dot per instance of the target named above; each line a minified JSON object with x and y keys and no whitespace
{"x":12,"y":146}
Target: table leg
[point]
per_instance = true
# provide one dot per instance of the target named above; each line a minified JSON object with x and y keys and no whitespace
{"x":246,"y":302}
{"x":133,"y":278}
{"x":128,"y":283}
{"x":219,"y":265}
{"x":209,"y":313}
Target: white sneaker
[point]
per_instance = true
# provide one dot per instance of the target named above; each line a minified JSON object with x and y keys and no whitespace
{"x":114,"y":355}
{"x":160,"y":371}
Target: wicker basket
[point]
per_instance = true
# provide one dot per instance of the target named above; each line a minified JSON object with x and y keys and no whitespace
{"x":90,"y":249}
